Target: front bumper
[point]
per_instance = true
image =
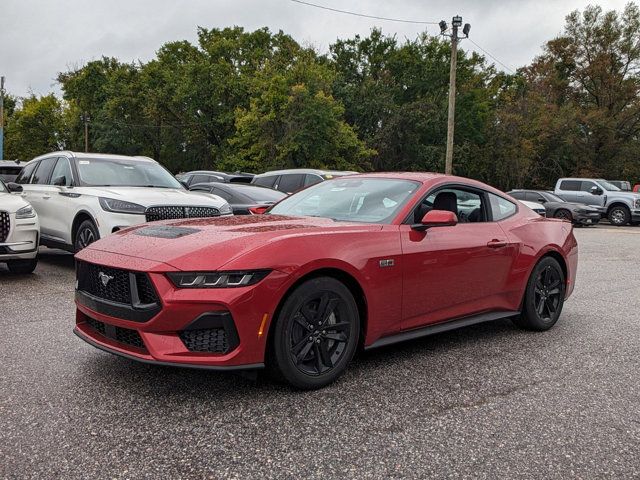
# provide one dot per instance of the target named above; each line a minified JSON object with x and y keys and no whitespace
{"x":22,"y":241}
{"x":635,"y":215}
{"x":591,"y":218}
{"x":163,"y":338}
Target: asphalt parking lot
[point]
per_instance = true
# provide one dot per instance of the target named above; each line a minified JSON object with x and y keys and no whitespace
{"x":488,"y":401}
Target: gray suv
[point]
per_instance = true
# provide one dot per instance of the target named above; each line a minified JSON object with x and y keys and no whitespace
{"x":618,"y":206}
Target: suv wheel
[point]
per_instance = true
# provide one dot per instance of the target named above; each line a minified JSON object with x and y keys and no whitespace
{"x":619,"y":216}
{"x":87,"y":234}
{"x":315,"y":335}
{"x":22,"y":267}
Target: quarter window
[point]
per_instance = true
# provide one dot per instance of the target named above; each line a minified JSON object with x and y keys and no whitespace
{"x":501,"y":208}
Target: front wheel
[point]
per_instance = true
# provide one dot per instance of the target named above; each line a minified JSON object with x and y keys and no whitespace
{"x":619,"y":216}
{"x":87,"y":234}
{"x":315,"y":334}
{"x":544,"y":296}
{"x":563,"y":215}
{"x":22,"y":267}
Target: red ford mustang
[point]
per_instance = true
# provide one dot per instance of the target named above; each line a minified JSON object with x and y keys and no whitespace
{"x":360,"y":261}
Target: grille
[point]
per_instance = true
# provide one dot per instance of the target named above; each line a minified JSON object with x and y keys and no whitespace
{"x":118,"y":288}
{"x":5,"y":225}
{"x":213,"y":340}
{"x":119,"y":334}
{"x":153,"y":214}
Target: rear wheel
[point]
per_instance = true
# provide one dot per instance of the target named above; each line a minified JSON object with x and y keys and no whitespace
{"x":619,"y":216}
{"x":316,"y":334}
{"x":87,"y":234}
{"x":544,"y":296}
{"x":563,"y":214}
{"x":22,"y":267}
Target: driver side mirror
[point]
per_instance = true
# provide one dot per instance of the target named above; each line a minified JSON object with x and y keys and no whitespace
{"x":542,"y":200}
{"x":596,"y":190}
{"x":436,"y":218}
{"x":14,"y":187}
{"x":60,"y":181}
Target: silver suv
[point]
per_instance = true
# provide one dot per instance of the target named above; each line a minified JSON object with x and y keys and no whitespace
{"x":618,"y":206}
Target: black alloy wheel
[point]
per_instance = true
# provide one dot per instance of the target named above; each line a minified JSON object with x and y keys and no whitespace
{"x":316,"y":333}
{"x":87,"y":234}
{"x":563,"y":214}
{"x":619,"y":216}
{"x":544,"y":296}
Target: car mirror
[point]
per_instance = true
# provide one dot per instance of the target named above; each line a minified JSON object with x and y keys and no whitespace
{"x":60,"y":181}
{"x":542,"y":200}
{"x":436,"y":218}
{"x":14,"y":187}
{"x":596,"y":191}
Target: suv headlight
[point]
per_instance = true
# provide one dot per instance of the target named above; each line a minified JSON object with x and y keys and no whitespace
{"x":636,"y":203}
{"x":217,"y":279}
{"x":120,"y":206}
{"x":25,"y":212}
{"x":225,"y":209}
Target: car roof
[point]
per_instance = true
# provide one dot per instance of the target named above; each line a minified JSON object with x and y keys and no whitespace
{"x":304,"y":171}
{"x":11,"y":163}
{"x":94,"y":156}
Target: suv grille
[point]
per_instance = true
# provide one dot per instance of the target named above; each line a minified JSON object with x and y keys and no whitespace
{"x":212,"y":340}
{"x":153,"y":214}
{"x":119,"y":334}
{"x":92,"y":278}
{"x":5,"y":225}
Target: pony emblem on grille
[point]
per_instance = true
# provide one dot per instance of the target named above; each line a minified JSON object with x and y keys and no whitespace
{"x":104,"y":278}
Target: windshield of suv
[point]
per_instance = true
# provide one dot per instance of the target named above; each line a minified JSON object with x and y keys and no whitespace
{"x":608,"y":186}
{"x":367,"y":200}
{"x":124,"y":173}
{"x":551,"y":197}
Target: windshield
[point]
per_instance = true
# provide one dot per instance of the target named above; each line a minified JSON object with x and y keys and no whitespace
{"x":552,"y":197}
{"x":367,"y":200}
{"x":2,"y":187}
{"x":124,"y":173}
{"x":608,"y":186}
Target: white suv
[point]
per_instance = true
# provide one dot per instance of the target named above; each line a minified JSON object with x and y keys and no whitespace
{"x":19,"y":231}
{"x":81,"y":197}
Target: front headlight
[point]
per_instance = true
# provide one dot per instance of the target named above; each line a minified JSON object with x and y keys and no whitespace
{"x":120,"y":206}
{"x":637,"y":203}
{"x":25,"y":212}
{"x":217,"y":279}
{"x":225,"y":209}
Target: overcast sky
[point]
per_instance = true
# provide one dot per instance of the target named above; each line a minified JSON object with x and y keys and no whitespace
{"x":39,"y":38}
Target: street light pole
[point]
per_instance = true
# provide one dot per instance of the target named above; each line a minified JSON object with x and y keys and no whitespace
{"x":85,"y":119}
{"x":456,"y":23}
{"x":1,"y":118}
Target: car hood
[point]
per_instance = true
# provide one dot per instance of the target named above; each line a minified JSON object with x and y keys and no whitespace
{"x":183,"y":244}
{"x":152,"y":196}
{"x":11,"y":203}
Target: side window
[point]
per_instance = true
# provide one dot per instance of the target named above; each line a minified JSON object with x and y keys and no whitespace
{"x":268,"y":181}
{"x":535,"y":197}
{"x":467,"y":205}
{"x":61,"y":174}
{"x":198,"y":179}
{"x":42,"y":173}
{"x":291,"y":182}
{"x":587,"y":186}
{"x":25,"y":175}
{"x":501,"y":208}
{"x":221,"y":193}
{"x":311,"y":179}
{"x":570,"y":185}
{"x":518,"y":195}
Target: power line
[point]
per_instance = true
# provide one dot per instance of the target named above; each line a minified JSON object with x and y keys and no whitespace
{"x":355,"y":14}
{"x":492,"y":56}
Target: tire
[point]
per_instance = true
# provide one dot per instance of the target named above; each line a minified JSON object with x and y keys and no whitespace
{"x":315,"y":334}
{"x":86,"y":234}
{"x":619,"y":216}
{"x":563,"y":214}
{"x":22,"y":267}
{"x":544,"y":296}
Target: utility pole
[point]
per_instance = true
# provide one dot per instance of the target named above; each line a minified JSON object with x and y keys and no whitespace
{"x":456,"y":23}
{"x":85,"y":119}
{"x":1,"y":118}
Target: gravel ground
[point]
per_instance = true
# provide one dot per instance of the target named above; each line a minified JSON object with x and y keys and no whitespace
{"x":487,"y":401}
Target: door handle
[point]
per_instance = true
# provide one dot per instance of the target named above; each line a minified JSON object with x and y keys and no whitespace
{"x":495,"y":243}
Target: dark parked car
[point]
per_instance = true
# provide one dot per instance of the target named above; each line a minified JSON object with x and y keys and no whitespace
{"x":556,"y":207}
{"x":208,"y":176}
{"x":9,"y":170}
{"x":292,"y":180}
{"x":244,"y":199}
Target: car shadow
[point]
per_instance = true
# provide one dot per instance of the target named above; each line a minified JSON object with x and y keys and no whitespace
{"x":56,"y":258}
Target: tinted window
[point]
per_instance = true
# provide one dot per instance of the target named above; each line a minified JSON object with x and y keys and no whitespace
{"x":291,"y":182}
{"x":261,"y":194}
{"x":518,"y":195}
{"x":267,"y":181}
{"x":501,"y":208}
{"x":25,"y":174}
{"x":199,"y":178}
{"x":586,"y":186}
{"x":41,"y":176}
{"x":61,"y":173}
{"x":535,"y":197}
{"x":311,"y":179}
{"x":221,"y":193}
{"x":570,"y":185}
